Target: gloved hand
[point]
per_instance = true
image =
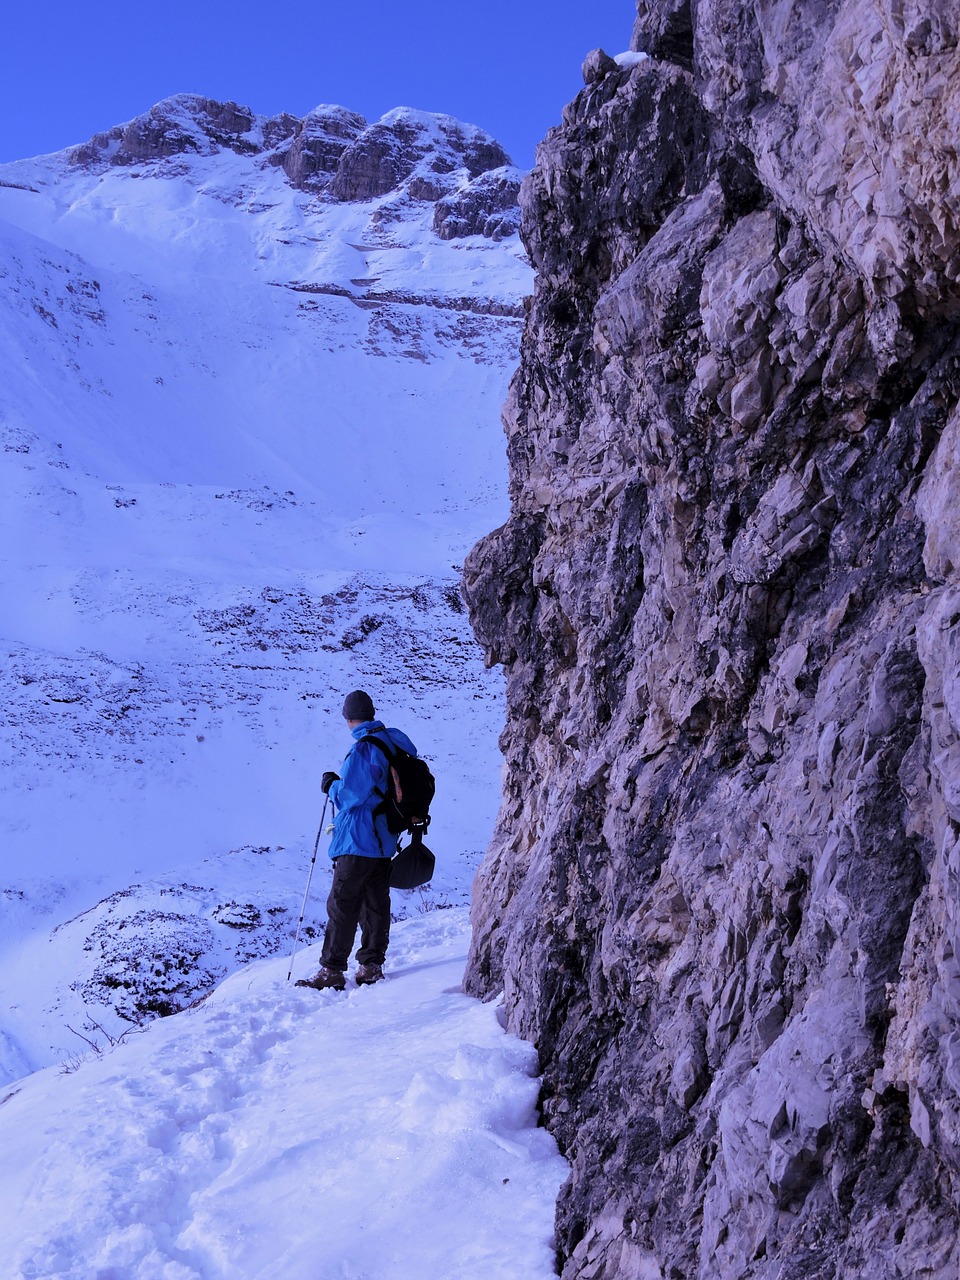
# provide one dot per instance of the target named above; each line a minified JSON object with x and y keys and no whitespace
{"x":327,"y":779}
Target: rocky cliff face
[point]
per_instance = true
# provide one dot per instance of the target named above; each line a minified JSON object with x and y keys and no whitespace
{"x":722,"y":895}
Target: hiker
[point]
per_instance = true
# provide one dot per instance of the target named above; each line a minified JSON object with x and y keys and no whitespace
{"x":361,"y":848}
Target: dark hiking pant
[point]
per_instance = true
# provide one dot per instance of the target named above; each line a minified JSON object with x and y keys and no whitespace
{"x":360,"y":894}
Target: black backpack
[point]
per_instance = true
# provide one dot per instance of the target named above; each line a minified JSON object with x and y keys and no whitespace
{"x":410,"y":789}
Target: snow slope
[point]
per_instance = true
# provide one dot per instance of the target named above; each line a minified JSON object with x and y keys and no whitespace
{"x":386,"y":1133}
{"x":247,"y":433}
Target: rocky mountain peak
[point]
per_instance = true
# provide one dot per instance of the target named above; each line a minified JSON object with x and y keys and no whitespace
{"x":310,"y":149}
{"x":424,"y":152}
{"x":182,"y":124}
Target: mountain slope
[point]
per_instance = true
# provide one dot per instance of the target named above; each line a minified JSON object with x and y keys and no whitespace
{"x":247,"y":433}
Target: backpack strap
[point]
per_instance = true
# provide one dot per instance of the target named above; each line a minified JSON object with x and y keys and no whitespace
{"x":372,"y":737}
{"x":378,"y":742}
{"x":382,"y":806}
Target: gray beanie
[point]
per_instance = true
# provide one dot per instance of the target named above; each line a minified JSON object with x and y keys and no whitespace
{"x":358,"y":706}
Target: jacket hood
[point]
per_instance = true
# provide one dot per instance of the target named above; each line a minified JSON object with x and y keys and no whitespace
{"x":368,"y":726}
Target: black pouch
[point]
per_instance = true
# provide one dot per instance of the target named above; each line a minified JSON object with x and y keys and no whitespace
{"x":412,"y":866}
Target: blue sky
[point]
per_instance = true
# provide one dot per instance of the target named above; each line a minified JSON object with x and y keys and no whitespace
{"x":69,"y":69}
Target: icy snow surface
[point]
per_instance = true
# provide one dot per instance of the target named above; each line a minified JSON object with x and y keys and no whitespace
{"x":287,"y":1134}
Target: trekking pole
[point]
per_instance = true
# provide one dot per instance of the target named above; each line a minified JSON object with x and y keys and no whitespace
{"x":306,"y":892}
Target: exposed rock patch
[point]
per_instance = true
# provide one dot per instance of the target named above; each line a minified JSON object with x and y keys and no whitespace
{"x":722,"y":892}
{"x":316,"y":145}
{"x":182,"y":124}
{"x":485,"y":206}
{"x":407,"y":144}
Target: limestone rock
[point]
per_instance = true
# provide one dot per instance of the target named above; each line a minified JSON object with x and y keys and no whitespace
{"x":664,"y":28}
{"x":316,"y":144}
{"x":404,"y":142}
{"x":596,"y":65}
{"x":721,"y":896}
{"x":182,"y":124}
{"x":487,"y":205}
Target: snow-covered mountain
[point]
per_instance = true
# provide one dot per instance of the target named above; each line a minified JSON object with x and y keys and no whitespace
{"x":248,"y":429}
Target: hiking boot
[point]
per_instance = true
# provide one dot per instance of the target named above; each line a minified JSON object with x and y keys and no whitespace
{"x":368,"y":974}
{"x":324,"y":978}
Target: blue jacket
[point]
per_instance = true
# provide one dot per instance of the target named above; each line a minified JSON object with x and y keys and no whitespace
{"x":362,"y":785}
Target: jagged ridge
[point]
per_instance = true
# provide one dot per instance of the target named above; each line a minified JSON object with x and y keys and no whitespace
{"x":419,"y":155}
